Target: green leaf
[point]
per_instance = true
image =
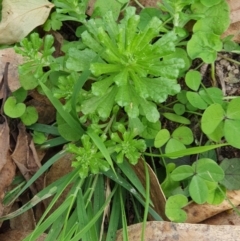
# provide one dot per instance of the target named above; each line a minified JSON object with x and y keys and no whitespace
{"x":233,"y":110}
{"x":30,"y":116}
{"x":216,"y":19}
{"x":193,"y":79}
{"x":231,"y":169}
{"x":208,"y":3}
{"x":212,"y":95}
{"x":161,"y":138}
{"x":146,"y":15}
{"x":39,"y":137}
{"x":20,"y":94}
{"x":79,"y":60}
{"x":204,"y":45}
{"x":179,"y":109}
{"x":12,"y":108}
{"x":198,"y":190}
{"x":218,"y":133}
{"x":232,"y":132}
{"x":177,"y":118}
{"x":174,"y":145}
{"x":149,"y":110}
{"x":196,"y":100}
{"x":151,"y":129}
{"x":217,"y":196}
{"x":182,"y":98}
{"x":211,"y":118}
{"x":174,"y":207}
{"x":183,"y":134}
{"x":182,"y":172}
{"x":209,"y":171}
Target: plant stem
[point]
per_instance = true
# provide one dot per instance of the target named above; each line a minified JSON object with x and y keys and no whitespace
{"x":139,"y":4}
{"x":229,"y":59}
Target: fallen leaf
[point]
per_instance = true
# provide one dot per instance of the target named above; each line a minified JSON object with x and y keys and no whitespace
{"x":156,"y":193}
{"x":19,"y":18}
{"x":235,"y":10}
{"x":8,"y":55}
{"x":17,"y":235}
{"x":4,"y":141}
{"x":229,"y":217}
{"x":197,"y":213}
{"x":181,"y":231}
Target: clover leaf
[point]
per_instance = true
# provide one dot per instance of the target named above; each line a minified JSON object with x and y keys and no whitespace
{"x":174,"y":207}
{"x":30,"y":116}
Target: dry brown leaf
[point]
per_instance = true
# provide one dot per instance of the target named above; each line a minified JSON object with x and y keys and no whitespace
{"x":6,"y":176}
{"x":229,"y":217}
{"x":156,"y":194}
{"x":4,"y":141}
{"x":9,"y":55}
{"x":235,"y":10}
{"x":19,"y":18}
{"x":197,"y":213}
{"x":17,"y":235}
{"x":161,"y":231}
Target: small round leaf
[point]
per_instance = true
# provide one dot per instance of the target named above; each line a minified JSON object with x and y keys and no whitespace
{"x":161,"y":138}
{"x":30,"y":116}
{"x":13,"y":109}
{"x":183,"y":134}
{"x":193,"y":79}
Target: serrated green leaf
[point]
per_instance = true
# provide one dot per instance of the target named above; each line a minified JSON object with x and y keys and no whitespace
{"x":177,"y":118}
{"x":174,"y":207}
{"x":196,"y":100}
{"x":211,"y":118}
{"x":231,"y":169}
{"x":183,"y":134}
{"x":161,"y":138}
{"x":182,"y":172}
{"x":12,"y":108}
{"x":198,"y":190}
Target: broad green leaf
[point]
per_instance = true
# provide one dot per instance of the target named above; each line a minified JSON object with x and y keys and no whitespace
{"x":30,"y":116}
{"x":210,"y":172}
{"x":212,"y":95}
{"x":183,"y":134}
{"x":149,"y":110}
{"x":161,"y":138}
{"x":204,"y":45}
{"x":198,"y":190}
{"x":174,"y":145}
{"x":196,"y":100}
{"x":208,"y":3}
{"x":12,"y":108}
{"x":211,"y":118}
{"x":177,"y":118}
{"x":146,"y":15}
{"x":193,"y":79}
{"x":216,"y":19}
{"x":174,"y":207}
{"x":232,"y":132}
{"x":136,"y":125}
{"x":233,"y":110}
{"x":182,"y":172}
{"x":231,"y":169}
{"x":179,"y":109}
{"x":218,"y":133}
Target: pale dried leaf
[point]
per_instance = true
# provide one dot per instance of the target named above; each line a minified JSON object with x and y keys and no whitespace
{"x":156,"y":194}
{"x":19,"y":18}
{"x":235,"y":10}
{"x":197,"y":213}
{"x":229,"y":217}
{"x":181,"y":232}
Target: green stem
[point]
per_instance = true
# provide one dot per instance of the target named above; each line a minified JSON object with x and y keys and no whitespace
{"x":139,"y":4}
{"x":229,"y":59}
